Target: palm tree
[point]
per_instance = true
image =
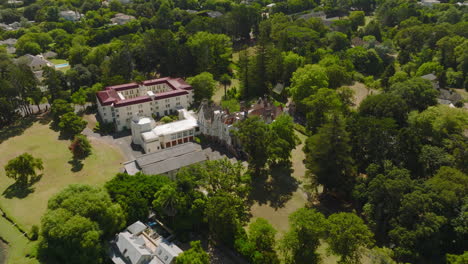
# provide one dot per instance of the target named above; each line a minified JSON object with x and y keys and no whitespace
{"x":225,"y":80}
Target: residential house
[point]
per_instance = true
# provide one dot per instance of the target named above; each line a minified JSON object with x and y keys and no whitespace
{"x":71,"y":15}
{"x":140,"y":244}
{"x":121,"y":19}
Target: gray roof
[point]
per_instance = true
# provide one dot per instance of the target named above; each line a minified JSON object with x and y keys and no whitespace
{"x":49,"y":54}
{"x":175,"y":163}
{"x":178,"y":150}
{"x":136,"y":228}
{"x":278,"y":88}
{"x":214,"y":14}
{"x":132,"y":248}
{"x":449,"y":95}
{"x":430,"y":77}
{"x":8,"y":42}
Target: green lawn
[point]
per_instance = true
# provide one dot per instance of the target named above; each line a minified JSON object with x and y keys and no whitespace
{"x":42,"y":142}
{"x":19,"y":246}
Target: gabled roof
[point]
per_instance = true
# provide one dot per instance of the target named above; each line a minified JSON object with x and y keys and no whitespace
{"x":431,"y":77}
{"x":132,"y":248}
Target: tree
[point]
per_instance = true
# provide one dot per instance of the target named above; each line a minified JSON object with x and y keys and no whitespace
{"x":259,"y":244}
{"x":71,"y":124}
{"x":384,"y":105}
{"x":195,"y":255}
{"x":432,"y":158}
{"x":203,"y":85}
{"x":283,"y":139}
{"x":60,"y":107}
{"x":135,"y":193}
{"x":319,"y":106}
{"x":79,"y":97}
{"x":306,"y":81}
{"x":78,"y":222}
{"x":300,"y":243}
{"x":253,"y":136}
{"x":417,"y":93}
{"x":347,"y":235}
{"x":328,"y":156}
{"x":337,"y":41}
{"x":225,"y":80}
{"x":211,"y":51}
{"x":225,"y":214}
{"x":80,"y":147}
{"x":23,"y":168}
{"x":167,"y":200}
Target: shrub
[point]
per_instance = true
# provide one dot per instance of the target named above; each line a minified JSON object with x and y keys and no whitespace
{"x":80,"y":147}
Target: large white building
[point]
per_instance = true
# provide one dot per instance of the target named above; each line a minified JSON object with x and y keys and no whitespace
{"x":120,"y":103}
{"x":154,"y":138}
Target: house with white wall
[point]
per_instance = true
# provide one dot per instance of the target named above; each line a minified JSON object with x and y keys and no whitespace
{"x":118,"y":104}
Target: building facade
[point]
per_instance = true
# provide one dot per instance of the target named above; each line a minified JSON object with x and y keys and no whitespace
{"x":120,"y":103}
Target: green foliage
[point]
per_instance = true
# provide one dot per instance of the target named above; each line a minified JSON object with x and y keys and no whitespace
{"x":253,"y":135}
{"x":282,"y":139}
{"x":457,"y":259}
{"x":203,"y":85}
{"x":306,"y":81}
{"x":232,"y":105}
{"x":384,"y":105}
{"x":23,"y":168}
{"x":60,"y":107}
{"x":71,"y":124}
{"x":319,"y":106}
{"x":417,"y":93}
{"x":195,"y":255}
{"x":300,"y":243}
{"x":328,"y":156}
{"x":259,"y":244}
{"x":166,"y":119}
{"x":212,"y":52}
{"x":347,"y":235}
{"x":80,"y":147}
{"x":135,"y":193}
{"x":78,"y":222}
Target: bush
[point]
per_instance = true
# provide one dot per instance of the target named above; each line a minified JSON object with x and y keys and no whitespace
{"x":80,"y":147}
{"x":34,"y":234}
{"x":166,"y":119}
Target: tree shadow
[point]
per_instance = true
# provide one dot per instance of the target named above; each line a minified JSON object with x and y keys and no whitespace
{"x":77,"y":165}
{"x":21,"y":190}
{"x":330,"y":203}
{"x":16,"y":128}
{"x":275,"y":186}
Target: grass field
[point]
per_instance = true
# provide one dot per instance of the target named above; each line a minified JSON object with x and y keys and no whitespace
{"x":18,"y":245}
{"x":42,"y":142}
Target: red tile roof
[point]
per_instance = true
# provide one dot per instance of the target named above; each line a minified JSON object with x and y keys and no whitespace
{"x":122,"y":87}
{"x":109,"y":96}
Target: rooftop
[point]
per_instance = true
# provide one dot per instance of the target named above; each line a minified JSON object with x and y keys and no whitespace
{"x":110,"y":96}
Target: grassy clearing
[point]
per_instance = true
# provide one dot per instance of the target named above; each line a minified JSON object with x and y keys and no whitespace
{"x":39,"y":140}
{"x":18,"y":245}
{"x":219,"y":90}
{"x":361,"y":91}
{"x":278,"y":217}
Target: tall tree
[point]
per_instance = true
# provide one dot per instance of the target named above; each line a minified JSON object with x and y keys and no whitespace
{"x":306,"y":81}
{"x":300,"y":243}
{"x":347,"y":235}
{"x":253,"y":136}
{"x":328,"y":156}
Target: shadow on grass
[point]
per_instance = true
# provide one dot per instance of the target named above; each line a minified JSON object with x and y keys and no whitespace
{"x":330,"y":203}
{"x":77,"y":165}
{"x":17,"y":128}
{"x":21,"y":190}
{"x":277,"y":189}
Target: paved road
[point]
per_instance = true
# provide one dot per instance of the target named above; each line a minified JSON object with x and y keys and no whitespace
{"x":122,"y":141}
